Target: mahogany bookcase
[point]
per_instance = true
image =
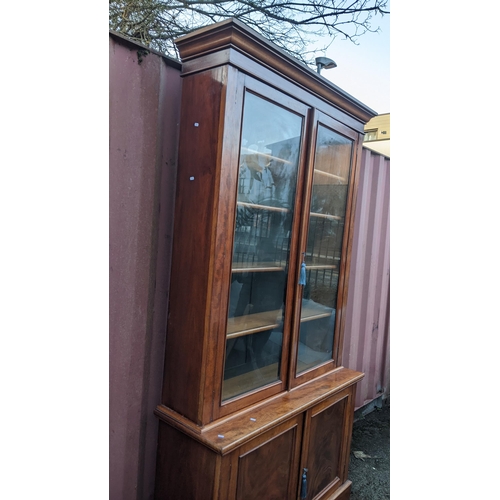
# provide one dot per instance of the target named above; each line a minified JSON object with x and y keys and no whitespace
{"x":256,"y":403}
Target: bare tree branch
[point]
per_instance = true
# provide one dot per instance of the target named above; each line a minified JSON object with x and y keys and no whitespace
{"x":293,"y":26}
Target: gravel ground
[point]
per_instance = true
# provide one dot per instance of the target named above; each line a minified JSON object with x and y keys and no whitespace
{"x":369,"y":461}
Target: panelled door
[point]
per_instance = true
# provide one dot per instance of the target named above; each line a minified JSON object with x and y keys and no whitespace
{"x":326,"y":446}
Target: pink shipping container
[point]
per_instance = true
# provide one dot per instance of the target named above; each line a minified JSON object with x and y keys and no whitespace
{"x":144,"y":110}
{"x":366,"y":342}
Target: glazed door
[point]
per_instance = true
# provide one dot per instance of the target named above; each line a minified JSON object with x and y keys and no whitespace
{"x":270,"y":167}
{"x":323,"y":249}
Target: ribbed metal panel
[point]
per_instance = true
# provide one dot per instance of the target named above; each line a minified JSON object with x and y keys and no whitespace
{"x":144,"y":112}
{"x":366,"y":341}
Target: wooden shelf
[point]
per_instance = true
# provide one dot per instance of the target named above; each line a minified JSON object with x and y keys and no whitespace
{"x":265,"y":155}
{"x":315,"y":311}
{"x":262,"y":207}
{"x":257,"y":267}
{"x":326,"y":216}
{"x":333,"y":176}
{"x":322,"y":262}
{"x":253,"y":323}
{"x":320,"y":266}
{"x":254,"y":379}
{"x":262,"y":267}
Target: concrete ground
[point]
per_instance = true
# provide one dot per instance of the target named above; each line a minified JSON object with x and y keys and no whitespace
{"x":369,"y":460}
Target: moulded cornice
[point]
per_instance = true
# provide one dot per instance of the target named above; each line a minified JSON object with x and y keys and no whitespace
{"x":233,"y":34}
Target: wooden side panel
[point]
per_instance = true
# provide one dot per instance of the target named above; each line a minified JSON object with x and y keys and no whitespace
{"x":193,"y":242}
{"x":227,"y":478}
{"x":185,"y":468}
{"x":228,"y":177}
{"x":268,"y":466}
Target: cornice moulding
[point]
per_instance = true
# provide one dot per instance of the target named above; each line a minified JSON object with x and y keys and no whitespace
{"x":233,"y":34}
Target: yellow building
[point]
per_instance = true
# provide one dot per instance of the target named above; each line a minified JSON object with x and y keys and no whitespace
{"x":378,"y":134}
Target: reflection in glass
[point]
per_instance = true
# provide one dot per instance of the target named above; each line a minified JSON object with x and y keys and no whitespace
{"x":324,"y":245}
{"x":269,"y":155}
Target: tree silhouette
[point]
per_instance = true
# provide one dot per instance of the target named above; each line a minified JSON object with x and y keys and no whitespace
{"x":293,"y":26}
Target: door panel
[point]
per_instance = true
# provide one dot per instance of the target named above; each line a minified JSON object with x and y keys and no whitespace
{"x":324,"y":249}
{"x":325,"y":447}
{"x":270,"y":152}
{"x":268,"y":466}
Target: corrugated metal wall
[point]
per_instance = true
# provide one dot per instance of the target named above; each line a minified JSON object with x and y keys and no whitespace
{"x":144,"y":109}
{"x":366,"y":341}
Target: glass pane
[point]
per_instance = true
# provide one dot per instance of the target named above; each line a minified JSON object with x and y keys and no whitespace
{"x":324,"y":245}
{"x":269,"y":155}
